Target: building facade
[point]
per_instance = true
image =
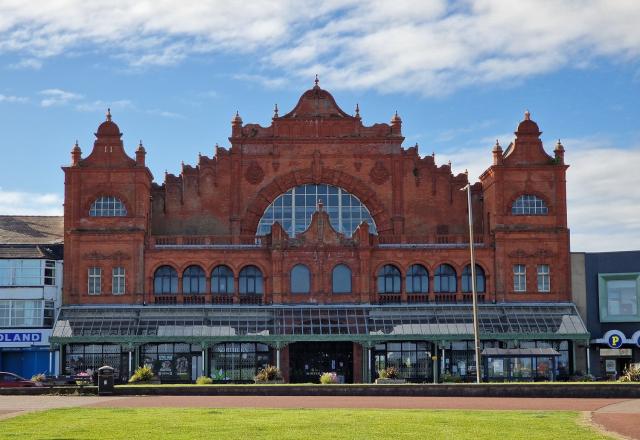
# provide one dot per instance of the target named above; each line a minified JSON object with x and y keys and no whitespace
{"x":317,"y":244}
{"x":30,"y":292}
{"x":606,"y":289}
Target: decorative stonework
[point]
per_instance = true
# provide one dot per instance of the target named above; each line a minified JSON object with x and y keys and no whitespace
{"x":117,"y":256}
{"x":379,"y":173}
{"x":540,"y":253}
{"x":254,"y":173}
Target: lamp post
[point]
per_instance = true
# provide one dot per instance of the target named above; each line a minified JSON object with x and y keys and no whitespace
{"x":476,"y":326}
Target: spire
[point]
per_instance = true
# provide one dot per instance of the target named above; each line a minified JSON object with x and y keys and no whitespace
{"x":76,"y":154}
{"x":140,"y":154}
{"x":559,"y":152}
{"x":497,"y":153}
{"x":527,"y":115}
{"x":109,"y":114}
{"x":275,"y":111}
{"x":357,"y":110}
{"x":316,"y":81}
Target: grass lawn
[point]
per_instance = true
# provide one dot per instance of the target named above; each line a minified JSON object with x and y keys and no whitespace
{"x":173,"y":423}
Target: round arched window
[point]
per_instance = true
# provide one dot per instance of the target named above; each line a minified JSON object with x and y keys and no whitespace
{"x":293,"y":210}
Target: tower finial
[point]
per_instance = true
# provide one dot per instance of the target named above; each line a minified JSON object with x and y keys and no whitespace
{"x":317,"y":80}
{"x":527,"y":115}
{"x":357,"y":110}
{"x":275,"y":111}
{"x":109,"y":114}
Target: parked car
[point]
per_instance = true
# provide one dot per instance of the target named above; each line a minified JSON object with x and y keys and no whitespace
{"x":10,"y":380}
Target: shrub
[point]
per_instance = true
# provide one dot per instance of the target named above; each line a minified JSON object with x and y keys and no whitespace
{"x":38,"y":378}
{"x":388,"y":373}
{"x":204,"y":380}
{"x":142,"y":374}
{"x":631,"y":373}
{"x":268,"y":374}
{"x":328,"y":378}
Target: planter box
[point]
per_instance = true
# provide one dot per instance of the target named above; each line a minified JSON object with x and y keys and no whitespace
{"x":146,"y":382}
{"x":268,"y":382}
{"x":381,"y":381}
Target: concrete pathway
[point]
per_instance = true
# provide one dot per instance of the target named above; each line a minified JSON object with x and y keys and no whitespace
{"x":620,"y":416}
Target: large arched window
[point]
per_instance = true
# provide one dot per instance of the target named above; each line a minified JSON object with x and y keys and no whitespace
{"x":194,"y":280}
{"x":107,"y":206}
{"x":529,"y":204}
{"x":444,"y":279}
{"x":250,"y":281}
{"x":293,"y":210}
{"x":341,"y":279}
{"x":466,"y":279}
{"x":417,"y":279}
{"x":222,"y":280}
{"x":300,"y":279}
{"x":165,"y":280}
{"x":389,"y":279}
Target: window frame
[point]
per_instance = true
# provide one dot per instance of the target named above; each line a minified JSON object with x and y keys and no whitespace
{"x":118,"y":280}
{"x":466,"y":279}
{"x":170,"y":277}
{"x":438,"y":278}
{"x":194,"y":282}
{"x":386,"y":275}
{"x":519,"y":278}
{"x":244,"y":277}
{"x":94,"y":280}
{"x":333,"y":279}
{"x":108,"y":206}
{"x":543,"y":276}
{"x":296,"y":272}
{"x":603,"y":296}
{"x":529,"y":204}
{"x":216,"y":280}
{"x":412,"y":275}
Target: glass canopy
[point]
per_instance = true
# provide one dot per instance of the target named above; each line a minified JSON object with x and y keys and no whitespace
{"x":358,"y":323}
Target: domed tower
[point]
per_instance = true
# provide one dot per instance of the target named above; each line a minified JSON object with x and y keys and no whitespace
{"x":107,"y":194}
{"x":526,"y":211}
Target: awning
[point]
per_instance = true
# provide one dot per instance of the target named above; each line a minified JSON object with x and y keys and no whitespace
{"x":290,"y":323}
{"x":520,"y":352}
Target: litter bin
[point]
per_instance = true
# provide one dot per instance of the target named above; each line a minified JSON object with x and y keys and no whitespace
{"x":105,"y":380}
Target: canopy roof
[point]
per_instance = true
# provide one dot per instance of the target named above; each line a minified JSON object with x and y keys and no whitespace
{"x":290,"y":323}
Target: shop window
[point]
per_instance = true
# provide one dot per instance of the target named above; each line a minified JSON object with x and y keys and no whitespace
{"x":529,"y":204}
{"x":235,"y":361}
{"x":466,"y":279}
{"x":107,"y":206}
{"x":22,"y":272}
{"x":95,"y":281}
{"x":293,"y":210}
{"x":118,"y":281}
{"x":519,"y":278}
{"x":165,"y":280}
{"x":194,"y":281}
{"x":445,"y":279}
{"x":417,"y":279}
{"x":222,"y":280}
{"x":341,"y":279}
{"x":49,"y":273}
{"x":21,"y":313}
{"x":544,"y":278}
{"x":389,"y":279}
{"x":251,"y":281}
{"x":300,"y":279}
{"x":619,"y":297}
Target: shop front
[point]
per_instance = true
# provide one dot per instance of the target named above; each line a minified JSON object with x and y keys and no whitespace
{"x":424,"y":343}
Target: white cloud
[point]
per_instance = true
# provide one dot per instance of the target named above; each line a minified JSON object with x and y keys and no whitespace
{"x":13,"y":98}
{"x":100,"y":105}
{"x":27,"y":63}
{"x":271,"y":83}
{"x":29,"y":203}
{"x":428,"y":46}
{"x":603,"y":198}
{"x":57,"y":97}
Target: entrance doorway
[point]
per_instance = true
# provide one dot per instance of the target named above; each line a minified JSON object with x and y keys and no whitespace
{"x":308,"y":360}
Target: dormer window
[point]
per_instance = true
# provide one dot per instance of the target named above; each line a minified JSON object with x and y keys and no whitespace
{"x":529,"y":204}
{"x":108,"y":206}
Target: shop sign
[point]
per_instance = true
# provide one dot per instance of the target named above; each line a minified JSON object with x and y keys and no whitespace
{"x":615,"y":352}
{"x":24,"y":337}
{"x":610,"y":366}
{"x":614,"y":338}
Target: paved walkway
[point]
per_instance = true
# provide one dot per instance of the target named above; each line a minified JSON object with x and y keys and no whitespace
{"x":619,"y":416}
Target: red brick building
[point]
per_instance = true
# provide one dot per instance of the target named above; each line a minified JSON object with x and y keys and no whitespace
{"x":302,"y":233}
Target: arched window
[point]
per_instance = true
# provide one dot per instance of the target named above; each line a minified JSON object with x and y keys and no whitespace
{"x":341,"y":279}
{"x":417,"y":279}
{"x":165,"y":280}
{"x":389,"y":279}
{"x":529,"y":204}
{"x":300,"y":279}
{"x":250,"y":281}
{"x":194,"y":280}
{"x":293,"y":210}
{"x":445,"y":280}
{"x":107,"y":206}
{"x":466,"y":279}
{"x":222,"y":280}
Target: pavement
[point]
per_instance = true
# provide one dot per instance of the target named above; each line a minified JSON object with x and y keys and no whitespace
{"x":617,"y":417}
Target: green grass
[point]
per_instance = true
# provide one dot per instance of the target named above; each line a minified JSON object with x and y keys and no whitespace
{"x":281,"y":424}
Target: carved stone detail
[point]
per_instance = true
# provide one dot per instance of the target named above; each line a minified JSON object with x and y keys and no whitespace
{"x":540,"y":253}
{"x":254,"y":173}
{"x":379,"y":173}
{"x":117,"y":256}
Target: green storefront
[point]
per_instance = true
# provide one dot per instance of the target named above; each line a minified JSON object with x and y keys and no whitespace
{"x":427,"y":343}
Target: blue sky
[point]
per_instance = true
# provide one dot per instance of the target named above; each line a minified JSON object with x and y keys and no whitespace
{"x":460,"y":74}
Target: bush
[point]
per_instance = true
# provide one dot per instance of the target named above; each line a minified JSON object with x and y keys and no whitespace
{"x":389,"y":373}
{"x":142,"y":374}
{"x":631,"y":373}
{"x":268,"y":374}
{"x":328,"y":378}
{"x":204,"y":380}
{"x":38,"y":378}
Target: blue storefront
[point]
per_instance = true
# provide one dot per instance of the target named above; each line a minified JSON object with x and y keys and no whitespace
{"x":26,"y":352}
